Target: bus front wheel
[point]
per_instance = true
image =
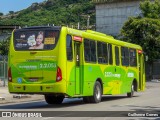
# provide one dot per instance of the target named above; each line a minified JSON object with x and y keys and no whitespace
{"x":130,"y":94}
{"x":51,"y":99}
{"x":97,"y":93}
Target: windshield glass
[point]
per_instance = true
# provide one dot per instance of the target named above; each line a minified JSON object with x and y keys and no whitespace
{"x":35,"y":39}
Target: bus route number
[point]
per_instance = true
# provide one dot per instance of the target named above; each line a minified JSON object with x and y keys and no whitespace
{"x":47,"y":65}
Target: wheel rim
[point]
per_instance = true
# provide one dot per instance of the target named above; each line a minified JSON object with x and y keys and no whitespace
{"x":132,"y":92}
{"x":98,"y":92}
{"x":132,"y":88}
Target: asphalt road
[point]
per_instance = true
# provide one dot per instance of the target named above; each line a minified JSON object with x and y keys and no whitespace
{"x":119,"y":107}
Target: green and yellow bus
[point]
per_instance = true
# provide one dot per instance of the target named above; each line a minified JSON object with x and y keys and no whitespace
{"x":61,"y":62}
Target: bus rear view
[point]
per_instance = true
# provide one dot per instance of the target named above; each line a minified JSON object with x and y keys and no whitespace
{"x":63,"y":62}
{"x":33,"y":61}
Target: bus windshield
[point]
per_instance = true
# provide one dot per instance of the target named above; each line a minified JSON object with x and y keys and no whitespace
{"x":35,"y":39}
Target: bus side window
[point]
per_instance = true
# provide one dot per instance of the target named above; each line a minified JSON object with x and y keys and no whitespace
{"x":125,"y":56}
{"x":105,"y":52}
{"x":117,"y":55}
{"x":102,"y":52}
{"x":110,"y":54}
{"x":89,"y":50}
{"x":69,"y":48}
{"x":133,"y":58}
{"x":93,"y":51}
{"x":86,"y":50}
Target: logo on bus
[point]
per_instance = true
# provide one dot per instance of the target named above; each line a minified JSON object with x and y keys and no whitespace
{"x":110,"y":74}
{"x":130,"y":75}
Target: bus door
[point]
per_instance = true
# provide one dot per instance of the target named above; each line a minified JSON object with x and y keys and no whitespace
{"x":141,"y":67}
{"x":77,"y":57}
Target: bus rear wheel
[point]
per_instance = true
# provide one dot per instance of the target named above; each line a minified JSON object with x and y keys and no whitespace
{"x":97,"y":93}
{"x":130,"y":94}
{"x":52,"y":99}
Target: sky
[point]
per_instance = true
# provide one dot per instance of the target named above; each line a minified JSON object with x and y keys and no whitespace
{"x":15,"y":5}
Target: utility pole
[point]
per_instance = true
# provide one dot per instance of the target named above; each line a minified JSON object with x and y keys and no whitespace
{"x":88,"y":20}
{"x":78,"y":26}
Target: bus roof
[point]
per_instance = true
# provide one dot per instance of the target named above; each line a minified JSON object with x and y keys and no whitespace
{"x":93,"y":35}
{"x":40,"y":27}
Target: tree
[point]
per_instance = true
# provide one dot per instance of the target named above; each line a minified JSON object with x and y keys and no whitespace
{"x":145,"y":29}
{"x":151,"y":9}
{"x":4,"y":46}
{"x":145,"y":32}
{"x":11,"y":12}
{"x":1,"y":14}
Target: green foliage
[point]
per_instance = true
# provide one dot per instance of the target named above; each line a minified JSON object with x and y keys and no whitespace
{"x":4,"y":47}
{"x":57,"y":12}
{"x":1,"y":14}
{"x":150,"y":9}
{"x":145,"y":31}
{"x":11,"y":12}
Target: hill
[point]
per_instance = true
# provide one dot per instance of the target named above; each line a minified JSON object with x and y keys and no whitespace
{"x":57,"y":12}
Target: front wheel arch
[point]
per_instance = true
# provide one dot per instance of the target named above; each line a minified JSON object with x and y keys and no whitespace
{"x":133,"y":88}
{"x":97,"y":93}
{"x":100,"y":81}
{"x":135,"y":85}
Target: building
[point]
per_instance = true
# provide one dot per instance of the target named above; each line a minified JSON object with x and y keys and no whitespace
{"x":5,"y":31}
{"x":111,"y":14}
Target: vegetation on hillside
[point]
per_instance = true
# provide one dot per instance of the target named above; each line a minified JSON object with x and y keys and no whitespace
{"x":57,"y":12}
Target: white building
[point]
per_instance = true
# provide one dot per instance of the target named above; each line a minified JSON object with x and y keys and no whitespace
{"x":111,"y":14}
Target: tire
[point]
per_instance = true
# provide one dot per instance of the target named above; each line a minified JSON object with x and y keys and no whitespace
{"x":51,"y":99}
{"x":130,"y":94}
{"x":97,"y":93}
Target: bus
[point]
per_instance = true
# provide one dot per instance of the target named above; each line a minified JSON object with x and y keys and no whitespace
{"x":60,"y":62}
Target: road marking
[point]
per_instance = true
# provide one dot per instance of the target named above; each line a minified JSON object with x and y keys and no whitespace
{"x":48,"y":118}
{"x":22,"y":102}
{"x":64,"y":115}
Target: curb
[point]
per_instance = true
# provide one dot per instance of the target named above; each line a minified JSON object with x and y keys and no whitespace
{"x":19,"y":99}
{"x":155,"y":80}
{"x":21,"y":96}
{"x":2,"y":98}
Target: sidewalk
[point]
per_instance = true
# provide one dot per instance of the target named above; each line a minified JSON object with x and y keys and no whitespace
{"x":6,"y":97}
